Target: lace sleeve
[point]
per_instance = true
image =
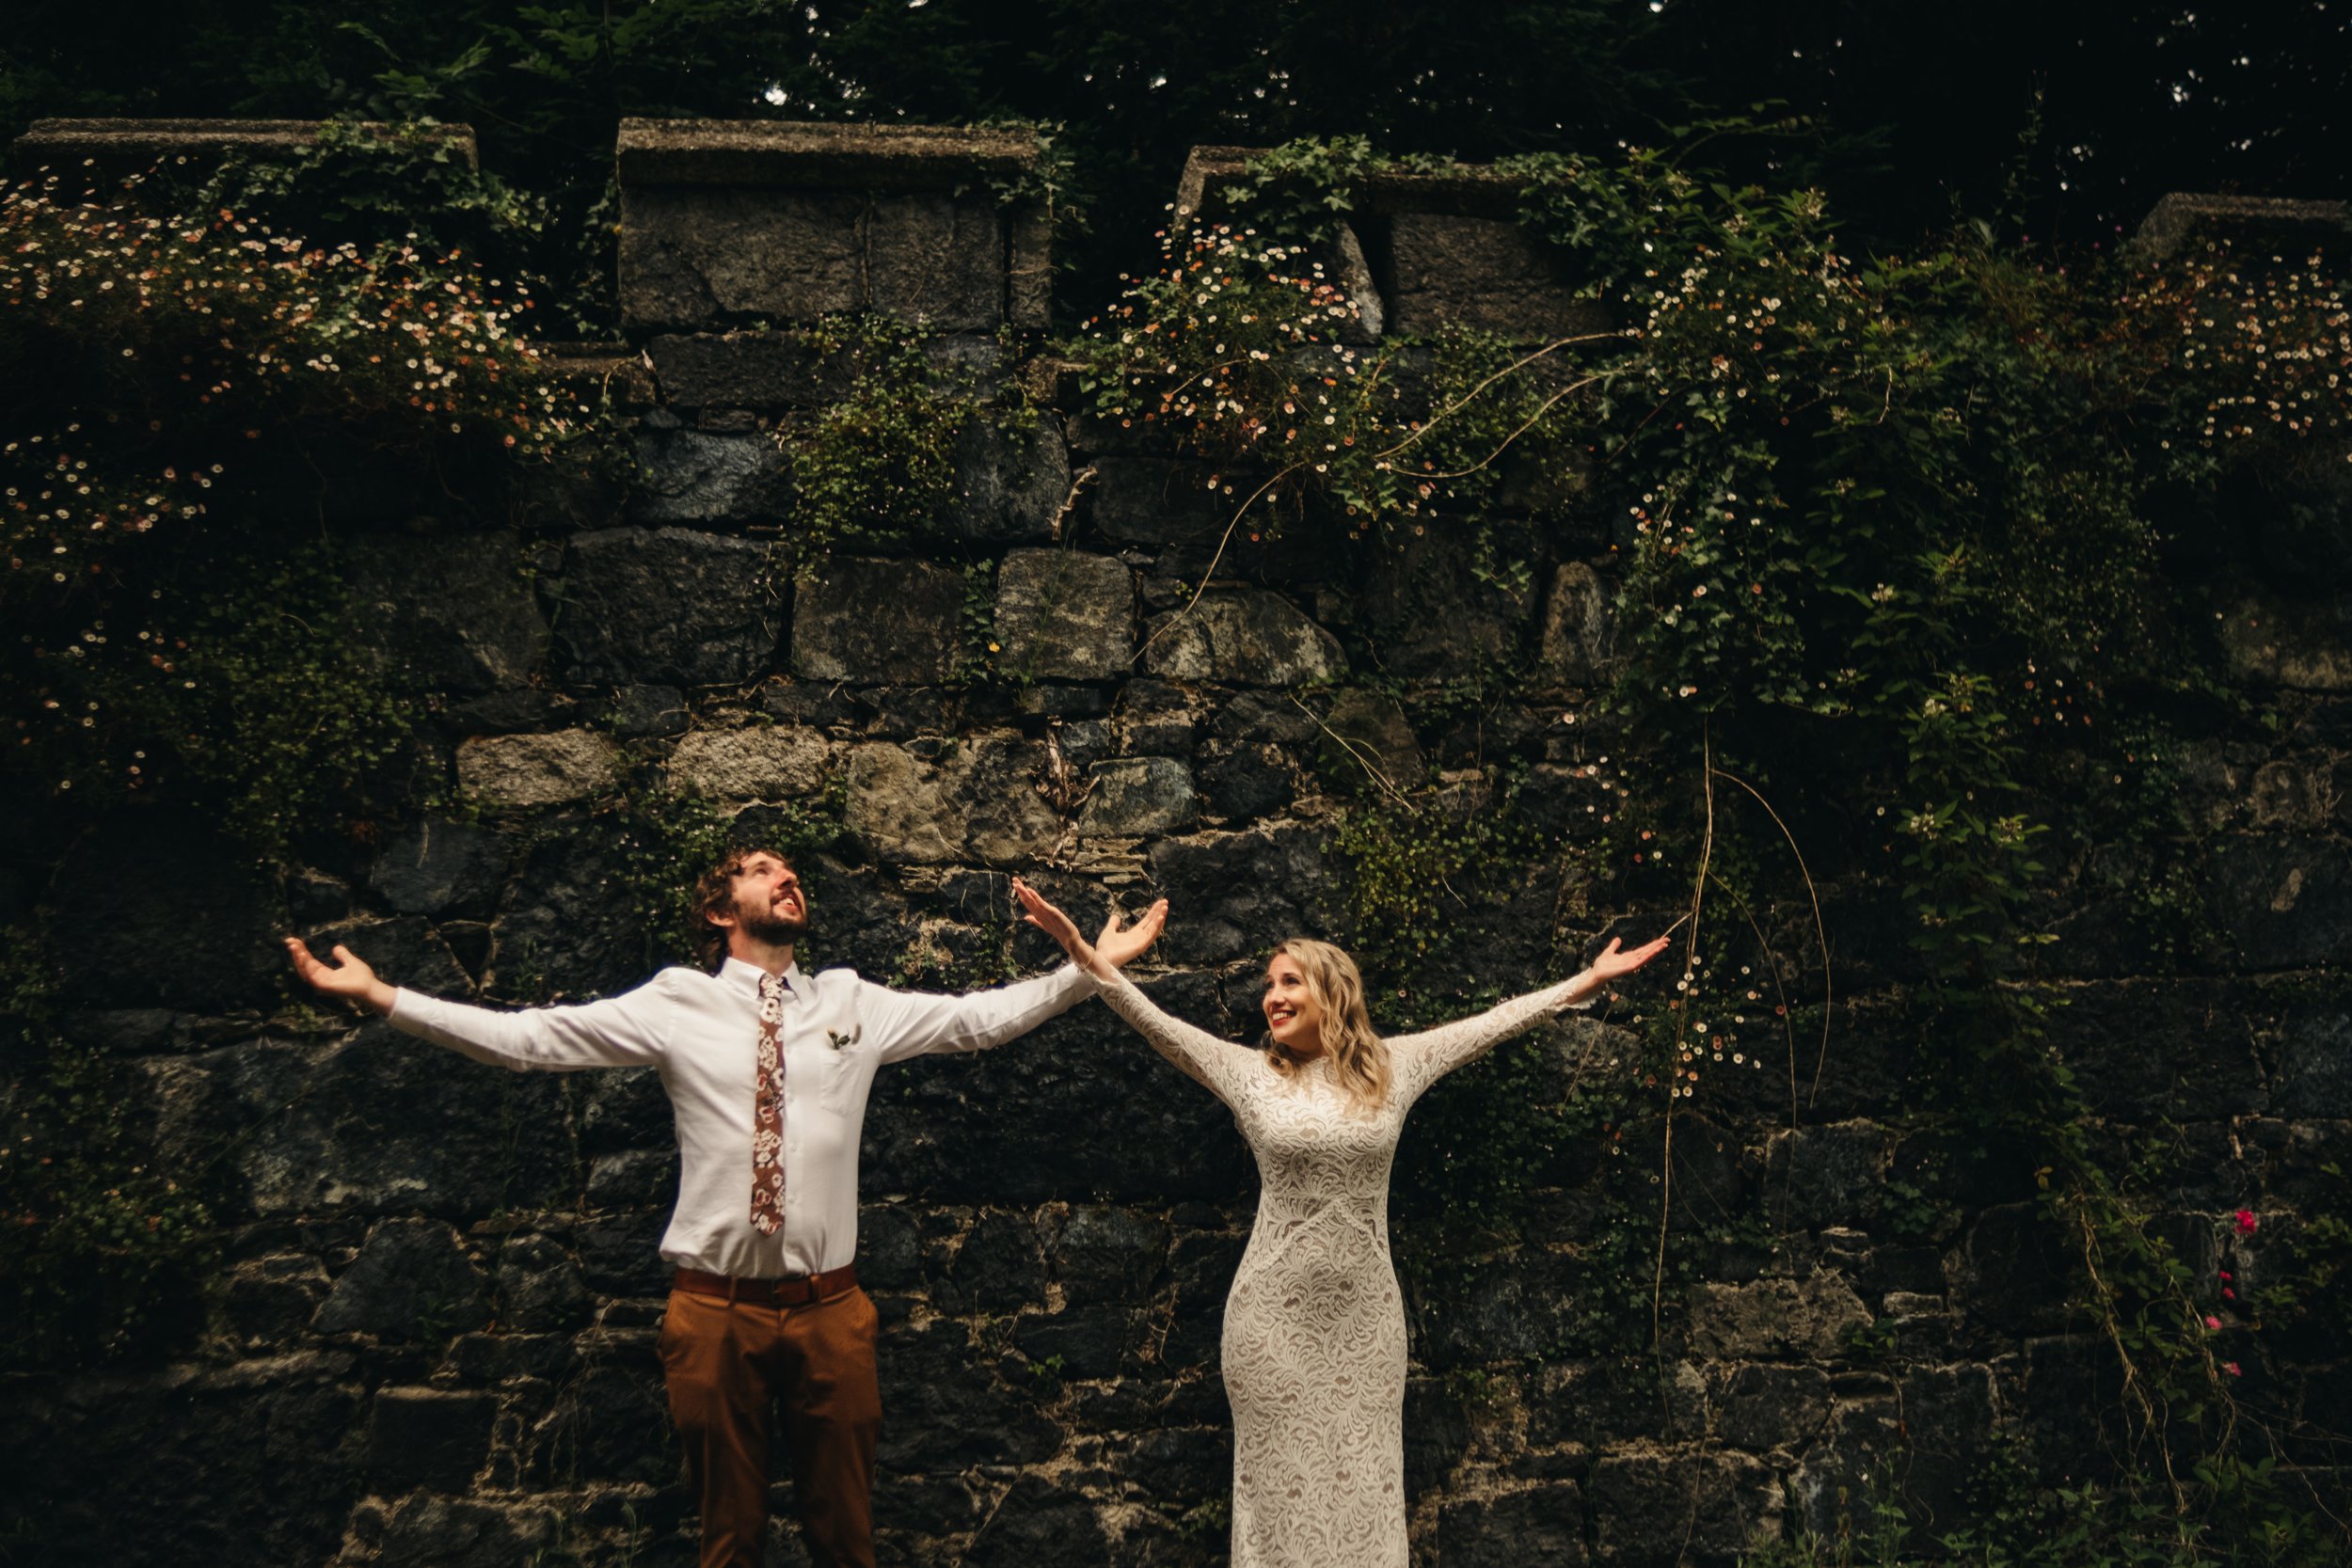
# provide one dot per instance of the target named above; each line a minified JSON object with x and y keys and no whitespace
{"x":1216,"y":1064}
{"x":1422,"y":1059}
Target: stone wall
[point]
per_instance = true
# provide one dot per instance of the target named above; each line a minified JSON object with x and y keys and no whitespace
{"x":432,"y":1338}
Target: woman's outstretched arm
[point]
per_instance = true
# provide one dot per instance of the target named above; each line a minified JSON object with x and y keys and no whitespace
{"x":1423,"y":1058}
{"x":1213,"y":1063}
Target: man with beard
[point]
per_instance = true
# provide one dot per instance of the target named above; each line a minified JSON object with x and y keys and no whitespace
{"x":767,"y":1071}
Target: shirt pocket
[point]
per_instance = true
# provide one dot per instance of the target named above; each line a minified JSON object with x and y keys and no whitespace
{"x":830,"y":1077}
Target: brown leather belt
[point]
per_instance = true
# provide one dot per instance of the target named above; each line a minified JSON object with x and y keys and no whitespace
{"x":798,"y":1290}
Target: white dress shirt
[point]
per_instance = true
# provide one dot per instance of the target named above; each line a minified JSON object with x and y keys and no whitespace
{"x":700,"y":1032}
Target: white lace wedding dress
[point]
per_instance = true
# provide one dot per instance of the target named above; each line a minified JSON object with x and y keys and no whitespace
{"x":1314,"y":1326}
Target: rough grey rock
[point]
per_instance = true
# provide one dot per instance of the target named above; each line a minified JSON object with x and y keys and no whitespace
{"x":1771,"y":1407}
{"x":2284,"y":899}
{"x":412,"y":1281}
{"x":430,"y":1437}
{"x":1154,"y":1138}
{"x":757,"y":763}
{"x":1106,"y":1254}
{"x":1369,"y":747}
{"x":559,"y":931}
{"x":1832,"y":1173}
{"x":1040,"y":1524}
{"x":1661,"y":1510}
{"x":977,"y":803}
{"x":1921,"y":1446}
{"x":1543,"y":1524}
{"x":436,"y":866}
{"x":897,"y":621}
{"x":1139,"y":797}
{"x":742,"y":370}
{"x":2015,"y":1270}
{"x":610,"y":1421}
{"x":1811,"y":1318}
{"x":1155,"y":719}
{"x":270,"y":1300}
{"x":2277,"y":643}
{"x":1136,"y":500}
{"x":2151,"y":1049}
{"x":1245,"y":637}
{"x":378,"y":1123}
{"x":694,"y":257}
{"x":1253,"y":781}
{"x":1063,"y":616}
{"x":270,"y":1444}
{"x":1489,"y":275}
{"x":424,"y":1530}
{"x":452,"y":614}
{"x":668,"y":606}
{"x":1569,"y":1402}
{"x":404,"y":950}
{"x":2315,"y":1064}
{"x":539,"y":1287}
{"x":2290,"y":795}
{"x":1577,"y":640}
{"x":951,"y":1409}
{"x":1011,"y":485}
{"x":640,"y":712}
{"x":525,"y":770}
{"x":1240,"y":890}
{"x":704,"y":477}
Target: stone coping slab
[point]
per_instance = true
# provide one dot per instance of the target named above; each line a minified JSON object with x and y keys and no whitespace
{"x":1465,"y":190}
{"x":124,"y":142}
{"x":2178,"y":215}
{"x":801,"y":155}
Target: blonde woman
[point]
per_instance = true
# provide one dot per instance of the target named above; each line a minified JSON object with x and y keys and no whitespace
{"x":1314,"y":1326}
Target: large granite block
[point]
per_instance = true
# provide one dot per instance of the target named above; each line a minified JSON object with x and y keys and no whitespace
{"x":1242,"y":637}
{"x":668,"y":607}
{"x":452,"y":614}
{"x":728,"y":221}
{"x":525,"y":770}
{"x":899,"y":622}
{"x":1063,"y":616}
{"x":975,"y":802}
{"x":701,"y":477}
{"x":1489,"y":274}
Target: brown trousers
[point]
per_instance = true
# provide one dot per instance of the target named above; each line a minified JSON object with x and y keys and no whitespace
{"x":727,"y":1362}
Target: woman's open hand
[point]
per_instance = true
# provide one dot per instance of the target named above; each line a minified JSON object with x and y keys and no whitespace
{"x":1614,"y":961}
{"x":1119,"y":944}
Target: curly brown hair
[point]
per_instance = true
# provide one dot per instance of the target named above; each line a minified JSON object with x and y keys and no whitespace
{"x":714,"y":889}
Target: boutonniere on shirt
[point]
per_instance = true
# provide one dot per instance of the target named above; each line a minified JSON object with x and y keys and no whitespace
{"x":839,"y":1040}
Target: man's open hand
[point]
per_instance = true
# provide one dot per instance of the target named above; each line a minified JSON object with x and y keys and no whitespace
{"x":348,"y":976}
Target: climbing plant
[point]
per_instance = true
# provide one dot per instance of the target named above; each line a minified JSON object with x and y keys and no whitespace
{"x":1891,"y":536}
{"x":176,"y":622}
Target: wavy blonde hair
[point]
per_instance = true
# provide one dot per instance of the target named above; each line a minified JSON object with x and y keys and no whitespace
{"x":1359,"y":1058}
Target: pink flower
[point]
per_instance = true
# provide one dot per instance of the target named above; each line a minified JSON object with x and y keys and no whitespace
{"x":2231,"y":1368}
{"x":2224,"y":1274}
{"x":2246,"y":1223}
{"x":2212,"y":1321}
{"x":2228,"y":1294}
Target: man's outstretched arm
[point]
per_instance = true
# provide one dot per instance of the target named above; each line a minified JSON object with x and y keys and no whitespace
{"x":631,"y":1030}
{"x":911,"y":1024}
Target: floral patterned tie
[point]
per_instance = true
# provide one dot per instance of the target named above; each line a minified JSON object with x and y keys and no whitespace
{"x":768,"y":1111}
